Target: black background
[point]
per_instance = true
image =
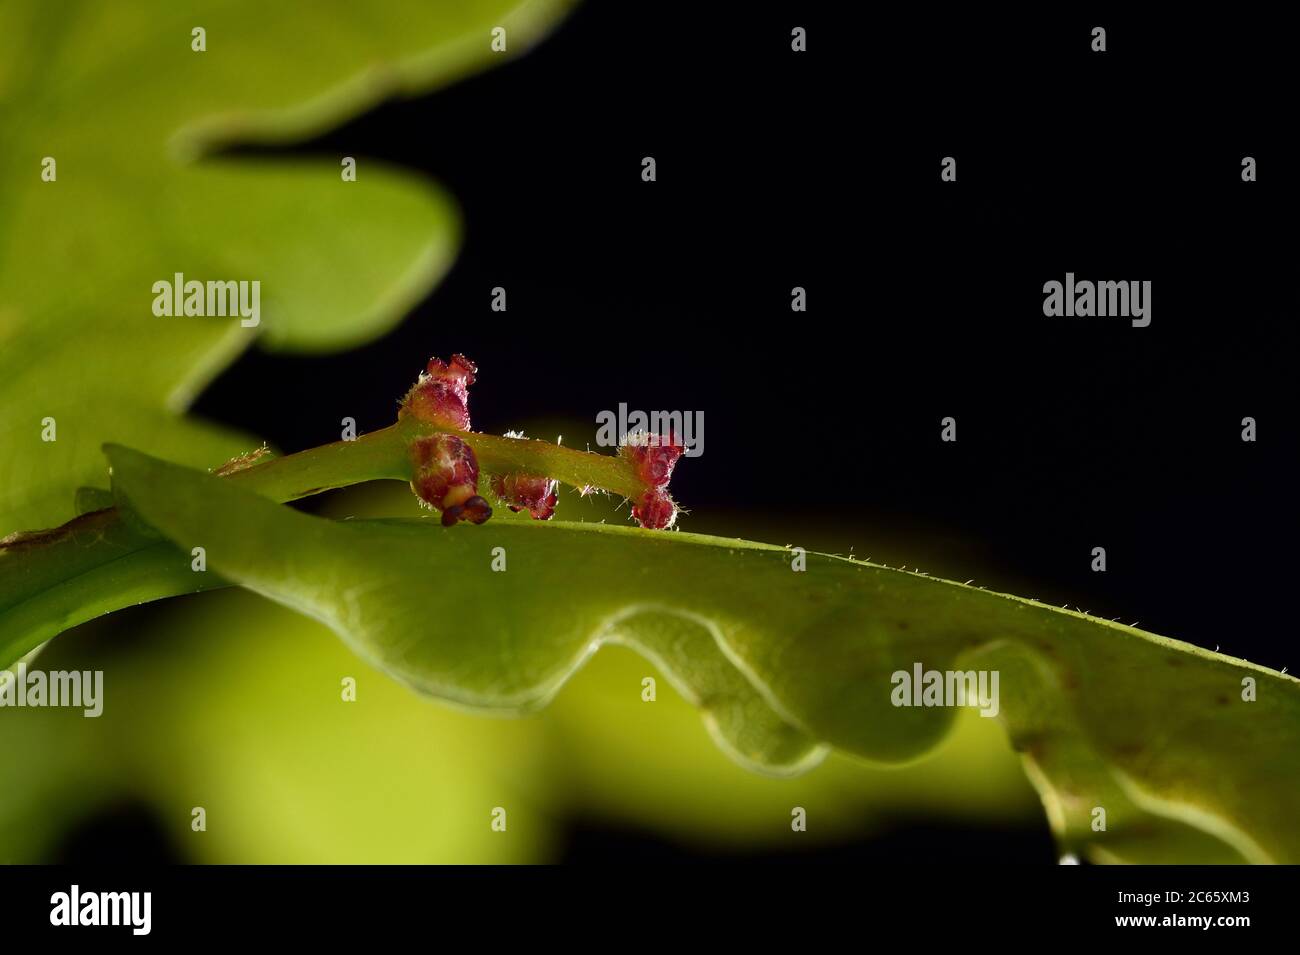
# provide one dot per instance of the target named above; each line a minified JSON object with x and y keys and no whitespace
{"x":821,"y":170}
{"x":738,"y":906}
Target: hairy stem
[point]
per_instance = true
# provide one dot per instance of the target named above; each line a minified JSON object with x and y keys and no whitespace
{"x":375,"y":456}
{"x":382,"y":455}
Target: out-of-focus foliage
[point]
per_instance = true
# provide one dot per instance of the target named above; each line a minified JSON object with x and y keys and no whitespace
{"x":114,"y":93}
{"x":231,"y":703}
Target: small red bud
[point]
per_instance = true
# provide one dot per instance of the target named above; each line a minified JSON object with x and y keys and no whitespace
{"x":653,"y":457}
{"x":534,"y":492}
{"x":446,"y":477}
{"x":655,"y":510}
{"x":441,"y":396}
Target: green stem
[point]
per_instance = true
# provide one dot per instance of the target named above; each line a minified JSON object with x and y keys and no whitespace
{"x":382,"y":455}
{"x":376,"y":456}
{"x":581,"y":469}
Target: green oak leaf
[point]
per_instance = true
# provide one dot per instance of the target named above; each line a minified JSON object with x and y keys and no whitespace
{"x":783,"y":664}
{"x":114,"y":93}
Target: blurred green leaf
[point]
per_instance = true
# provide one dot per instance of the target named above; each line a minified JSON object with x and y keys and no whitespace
{"x":115,"y":95}
{"x":650,"y":764}
{"x":257,"y":731}
{"x":239,"y":709}
{"x":1152,"y":730}
{"x":231,"y":702}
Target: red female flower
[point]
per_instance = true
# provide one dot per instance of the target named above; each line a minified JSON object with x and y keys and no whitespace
{"x":441,"y":396}
{"x":532,"y":492}
{"x":653,"y":457}
{"x":446,"y":478}
{"x":446,"y":469}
